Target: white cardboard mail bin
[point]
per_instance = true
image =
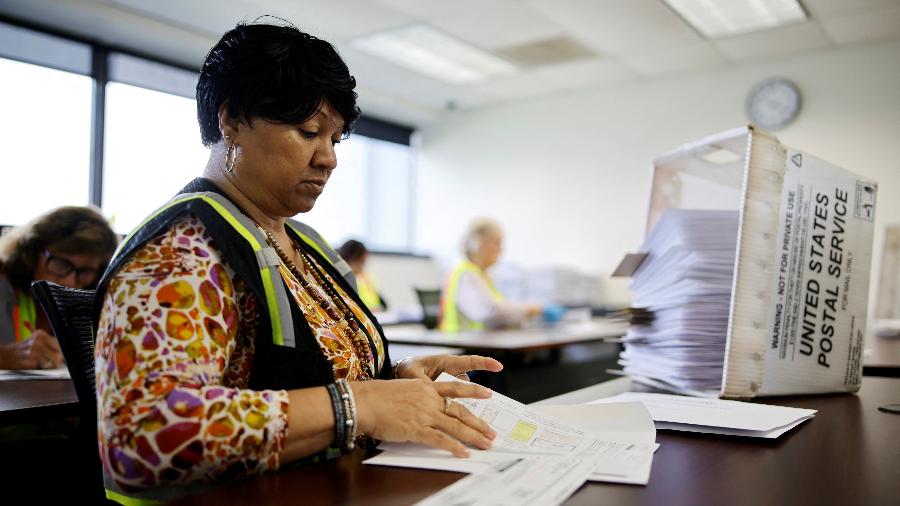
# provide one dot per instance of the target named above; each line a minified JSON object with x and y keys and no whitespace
{"x":798,"y":306}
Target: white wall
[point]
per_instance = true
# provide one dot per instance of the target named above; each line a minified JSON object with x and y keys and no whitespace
{"x":568,"y":176}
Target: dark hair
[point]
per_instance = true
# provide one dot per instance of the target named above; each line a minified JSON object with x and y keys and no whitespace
{"x":70,"y":229}
{"x":273,"y":72}
{"x":352,"y":250}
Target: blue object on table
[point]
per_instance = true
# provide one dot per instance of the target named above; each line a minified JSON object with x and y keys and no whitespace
{"x":553,"y":313}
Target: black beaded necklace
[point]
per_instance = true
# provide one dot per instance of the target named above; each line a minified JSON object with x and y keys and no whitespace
{"x":348,"y":323}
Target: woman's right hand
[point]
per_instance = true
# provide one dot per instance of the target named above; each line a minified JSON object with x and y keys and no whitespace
{"x":412,"y":410}
{"x":40,"y":351}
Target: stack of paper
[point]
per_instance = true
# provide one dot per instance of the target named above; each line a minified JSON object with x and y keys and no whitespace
{"x":515,"y":481}
{"x":532,"y":443}
{"x":686,"y":282}
{"x":715,"y":416}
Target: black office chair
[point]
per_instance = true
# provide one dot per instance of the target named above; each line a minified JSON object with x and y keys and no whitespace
{"x":70,"y":312}
{"x":430,"y":300}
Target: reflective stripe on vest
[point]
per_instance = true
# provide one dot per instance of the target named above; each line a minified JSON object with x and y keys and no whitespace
{"x":316,"y":242}
{"x":266,"y":257}
{"x":450,"y":317}
{"x":124,"y":500}
{"x":268,"y":261}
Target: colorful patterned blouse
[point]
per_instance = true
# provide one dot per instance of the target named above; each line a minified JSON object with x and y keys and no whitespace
{"x":174,"y":349}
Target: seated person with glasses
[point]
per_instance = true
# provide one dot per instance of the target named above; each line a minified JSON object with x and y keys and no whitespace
{"x":69,"y":246}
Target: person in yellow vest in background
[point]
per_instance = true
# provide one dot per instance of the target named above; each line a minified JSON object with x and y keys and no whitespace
{"x":470,"y":301}
{"x":355,"y":254}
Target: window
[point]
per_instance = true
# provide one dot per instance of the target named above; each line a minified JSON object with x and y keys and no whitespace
{"x":390,"y":209}
{"x":151,"y":143}
{"x":152,"y":149}
{"x":46,"y":140}
{"x":368,"y":196}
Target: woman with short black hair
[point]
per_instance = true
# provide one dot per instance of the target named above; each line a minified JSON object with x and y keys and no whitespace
{"x":231,"y":339}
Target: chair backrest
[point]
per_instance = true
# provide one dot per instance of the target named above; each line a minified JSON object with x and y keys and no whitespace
{"x":70,"y":312}
{"x":431,"y":306}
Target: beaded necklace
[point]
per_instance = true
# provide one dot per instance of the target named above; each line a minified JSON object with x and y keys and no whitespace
{"x":349,"y":325}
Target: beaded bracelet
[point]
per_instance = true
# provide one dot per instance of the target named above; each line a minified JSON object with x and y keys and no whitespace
{"x":339,"y":415}
{"x":349,"y":406}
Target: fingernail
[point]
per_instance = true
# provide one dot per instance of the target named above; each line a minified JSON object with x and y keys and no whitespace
{"x":464,"y":453}
{"x":486,"y":444}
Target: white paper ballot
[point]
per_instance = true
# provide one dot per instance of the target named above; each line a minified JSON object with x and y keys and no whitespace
{"x":678,"y":412}
{"x":627,"y":422}
{"x":524,"y":431}
{"x":514,"y":481}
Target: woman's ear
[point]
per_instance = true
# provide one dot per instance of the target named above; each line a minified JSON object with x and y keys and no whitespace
{"x":227,"y":125}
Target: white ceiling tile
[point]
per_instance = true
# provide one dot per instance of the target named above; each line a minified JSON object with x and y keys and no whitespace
{"x":487,"y":24}
{"x":117,"y":27}
{"x":196,"y":16}
{"x":421,"y":9}
{"x":587,"y":73}
{"x":619,"y":27}
{"x":389,"y":107}
{"x":779,"y":41}
{"x":375,"y":74}
{"x":529,"y":84}
{"x":637,"y":38}
{"x":676,"y":59}
{"x":821,"y":9}
{"x":322,"y":18}
{"x":332,"y":20}
{"x":865,"y":25}
{"x":498,"y":28}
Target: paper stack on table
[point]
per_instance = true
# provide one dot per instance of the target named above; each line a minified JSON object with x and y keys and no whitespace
{"x":715,"y":416}
{"x":686,"y":282}
{"x":516,"y":481}
{"x":568,"y":454}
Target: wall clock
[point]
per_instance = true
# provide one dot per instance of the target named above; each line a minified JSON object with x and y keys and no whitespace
{"x":773,"y":103}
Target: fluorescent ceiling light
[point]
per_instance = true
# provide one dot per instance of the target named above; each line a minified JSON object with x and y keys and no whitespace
{"x":425,"y":50}
{"x":721,"y":18}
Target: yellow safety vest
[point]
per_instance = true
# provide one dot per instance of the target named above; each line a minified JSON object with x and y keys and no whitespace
{"x":451,"y":319}
{"x":24,"y":316}
{"x":276,"y":296}
{"x":368,"y":291}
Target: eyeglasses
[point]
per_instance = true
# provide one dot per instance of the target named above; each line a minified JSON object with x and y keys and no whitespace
{"x":61,"y":267}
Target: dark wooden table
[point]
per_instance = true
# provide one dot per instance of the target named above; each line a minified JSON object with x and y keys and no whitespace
{"x":513,"y":340}
{"x":31,"y":401}
{"x":848,"y":454}
{"x":884,"y":359}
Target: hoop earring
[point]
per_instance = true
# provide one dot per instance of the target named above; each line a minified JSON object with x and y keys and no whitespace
{"x":230,"y":156}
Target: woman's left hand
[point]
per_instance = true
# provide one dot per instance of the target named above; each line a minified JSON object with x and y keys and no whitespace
{"x":432,"y":366}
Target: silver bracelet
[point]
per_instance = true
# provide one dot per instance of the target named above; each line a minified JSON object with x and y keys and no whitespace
{"x":395,"y":369}
{"x":348,"y":404}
